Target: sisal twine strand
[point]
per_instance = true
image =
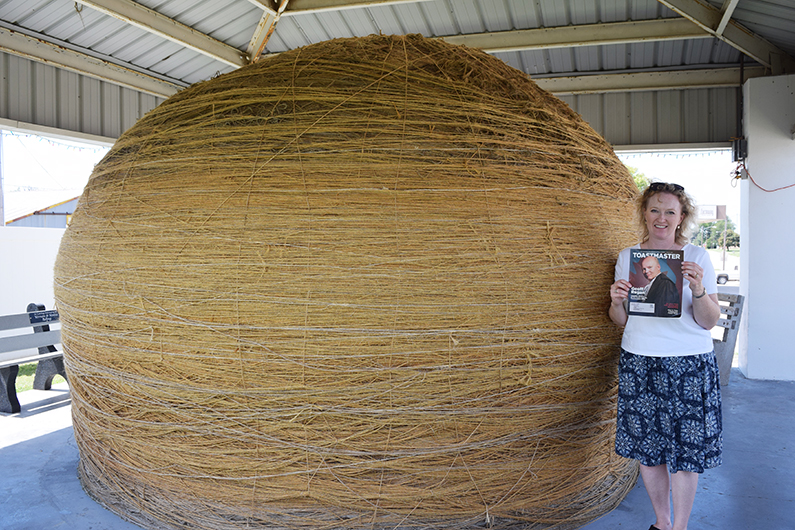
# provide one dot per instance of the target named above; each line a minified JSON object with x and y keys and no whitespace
{"x":357,"y":285}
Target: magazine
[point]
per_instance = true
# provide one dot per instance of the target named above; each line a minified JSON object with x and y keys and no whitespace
{"x":656,"y":278}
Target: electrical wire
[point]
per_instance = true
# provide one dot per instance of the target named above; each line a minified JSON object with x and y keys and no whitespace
{"x":741,"y":164}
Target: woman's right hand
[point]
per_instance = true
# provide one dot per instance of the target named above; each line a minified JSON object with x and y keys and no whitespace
{"x":619,"y":292}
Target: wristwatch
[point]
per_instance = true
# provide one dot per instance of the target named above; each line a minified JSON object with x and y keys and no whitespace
{"x":702,"y":294}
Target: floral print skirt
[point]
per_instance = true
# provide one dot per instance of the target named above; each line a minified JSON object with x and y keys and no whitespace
{"x":669,"y":411}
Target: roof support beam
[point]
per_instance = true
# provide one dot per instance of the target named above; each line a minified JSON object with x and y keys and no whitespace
{"x":264,"y":31}
{"x":267,"y":5}
{"x":689,"y":147}
{"x":56,"y":133}
{"x":167,"y":28}
{"x":300,"y":7}
{"x":646,"y":81}
{"x":22,"y":45}
{"x":727,"y":11}
{"x":709,"y":19}
{"x":586,"y":35}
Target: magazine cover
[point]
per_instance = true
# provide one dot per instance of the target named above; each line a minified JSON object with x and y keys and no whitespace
{"x":656,"y":278}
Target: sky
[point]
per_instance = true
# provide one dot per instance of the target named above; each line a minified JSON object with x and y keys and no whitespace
{"x":39,"y":172}
{"x":62,"y":168}
{"x":31,"y":161}
{"x":707,"y":176}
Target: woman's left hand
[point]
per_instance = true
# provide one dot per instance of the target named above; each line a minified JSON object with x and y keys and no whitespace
{"x":706,"y":309}
{"x":695,"y":275}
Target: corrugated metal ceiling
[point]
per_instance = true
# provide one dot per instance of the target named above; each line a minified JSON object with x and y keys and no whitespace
{"x":606,"y":58}
{"x":85,"y":29}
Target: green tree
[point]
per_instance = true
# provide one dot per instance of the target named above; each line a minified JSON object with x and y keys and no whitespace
{"x":710,"y":234}
{"x":641,"y":180}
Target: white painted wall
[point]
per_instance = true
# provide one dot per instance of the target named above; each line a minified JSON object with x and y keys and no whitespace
{"x":767,"y":335}
{"x":27,"y":257}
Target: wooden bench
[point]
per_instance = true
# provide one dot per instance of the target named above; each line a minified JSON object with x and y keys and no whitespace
{"x":731,"y":305}
{"x":12,"y":352}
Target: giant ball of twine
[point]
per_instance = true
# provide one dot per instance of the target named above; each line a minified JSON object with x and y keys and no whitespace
{"x":361,"y":284}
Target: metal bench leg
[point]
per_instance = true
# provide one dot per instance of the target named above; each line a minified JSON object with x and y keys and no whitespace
{"x":46,"y":371}
{"x":724,"y":356}
{"x":8,"y":390}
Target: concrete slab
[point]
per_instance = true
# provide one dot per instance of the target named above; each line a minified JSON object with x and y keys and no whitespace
{"x":39,"y":488}
{"x":753,"y":490}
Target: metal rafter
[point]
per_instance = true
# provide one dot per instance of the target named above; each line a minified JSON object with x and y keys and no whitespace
{"x":264,"y":31}
{"x":168,"y":28}
{"x":586,"y":35}
{"x":271,"y":16}
{"x":727,"y":11}
{"x":40,"y":50}
{"x":646,"y":81}
{"x":298,"y":7}
{"x":267,"y":5}
{"x":709,"y":18}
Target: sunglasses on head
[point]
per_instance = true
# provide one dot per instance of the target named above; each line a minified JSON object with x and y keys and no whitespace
{"x":665,"y":186}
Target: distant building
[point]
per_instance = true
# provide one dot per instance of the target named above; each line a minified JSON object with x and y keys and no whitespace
{"x":55,"y":216}
{"x":708,"y":213}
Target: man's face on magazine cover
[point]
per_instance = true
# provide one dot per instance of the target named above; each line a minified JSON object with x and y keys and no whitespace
{"x":650,"y":267}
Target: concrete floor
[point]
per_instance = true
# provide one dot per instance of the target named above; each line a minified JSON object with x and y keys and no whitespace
{"x":753,"y":490}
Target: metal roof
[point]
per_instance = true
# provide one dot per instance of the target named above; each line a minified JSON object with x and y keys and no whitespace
{"x":571,"y":47}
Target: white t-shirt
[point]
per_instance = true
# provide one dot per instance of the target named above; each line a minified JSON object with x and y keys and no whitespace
{"x":669,"y":337}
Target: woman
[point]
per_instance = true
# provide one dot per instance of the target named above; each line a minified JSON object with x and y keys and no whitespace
{"x":669,"y":416}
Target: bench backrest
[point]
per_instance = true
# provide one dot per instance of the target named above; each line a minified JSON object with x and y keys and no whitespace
{"x":22,"y":339}
{"x":731,"y":305}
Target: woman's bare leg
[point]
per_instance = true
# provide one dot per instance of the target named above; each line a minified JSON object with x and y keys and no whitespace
{"x":658,"y":486}
{"x":684,"y":486}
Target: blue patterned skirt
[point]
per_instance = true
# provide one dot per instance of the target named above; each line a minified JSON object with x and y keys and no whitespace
{"x":669,"y":411}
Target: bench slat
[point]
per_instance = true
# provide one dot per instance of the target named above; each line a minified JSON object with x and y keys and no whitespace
{"x":26,"y":320}
{"x":35,"y":357}
{"x":726,"y":297}
{"x":31,"y":340}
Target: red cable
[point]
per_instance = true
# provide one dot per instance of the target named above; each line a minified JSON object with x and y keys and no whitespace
{"x":760,"y":187}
